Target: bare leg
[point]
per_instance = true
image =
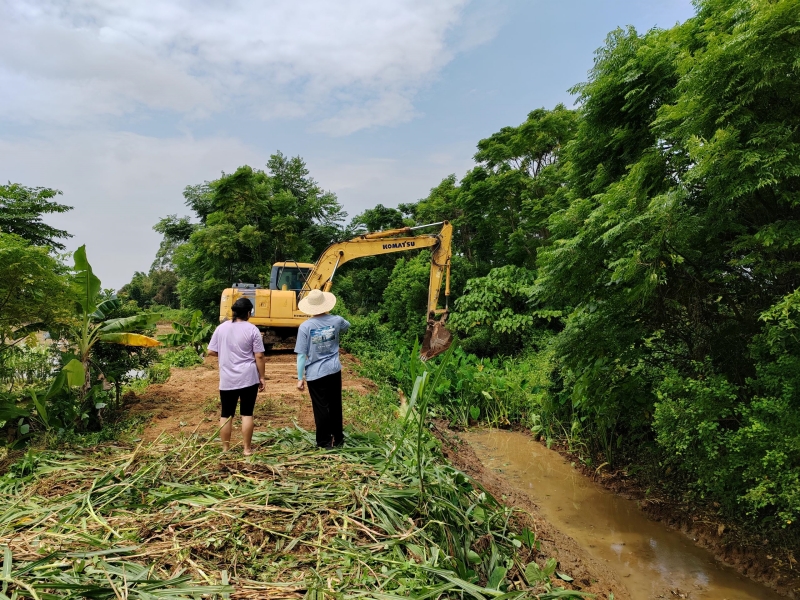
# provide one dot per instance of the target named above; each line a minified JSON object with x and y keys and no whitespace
{"x":225,"y":432}
{"x":247,"y":434}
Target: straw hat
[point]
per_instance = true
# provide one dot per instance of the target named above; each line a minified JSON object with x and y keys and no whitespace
{"x":317,"y":302}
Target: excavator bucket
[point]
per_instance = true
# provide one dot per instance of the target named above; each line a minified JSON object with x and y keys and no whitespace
{"x":437,"y":339}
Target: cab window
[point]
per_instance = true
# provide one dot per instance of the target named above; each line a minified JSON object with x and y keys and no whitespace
{"x":287,"y":278}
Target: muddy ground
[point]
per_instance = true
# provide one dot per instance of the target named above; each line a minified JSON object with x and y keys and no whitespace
{"x":188,"y":402}
{"x":755,"y":557}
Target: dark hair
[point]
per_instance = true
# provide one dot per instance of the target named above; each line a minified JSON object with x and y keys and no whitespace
{"x":241,"y":309}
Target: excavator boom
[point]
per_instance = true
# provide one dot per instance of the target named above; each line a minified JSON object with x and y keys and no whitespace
{"x":276,"y":308}
{"x":437,"y":338}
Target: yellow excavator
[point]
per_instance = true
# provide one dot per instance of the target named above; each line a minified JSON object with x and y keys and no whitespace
{"x":275,"y":310}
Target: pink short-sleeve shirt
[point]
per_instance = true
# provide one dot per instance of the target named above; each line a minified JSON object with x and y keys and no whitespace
{"x":237,"y":342}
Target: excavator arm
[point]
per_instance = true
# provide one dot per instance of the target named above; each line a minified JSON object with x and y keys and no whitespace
{"x":437,"y":338}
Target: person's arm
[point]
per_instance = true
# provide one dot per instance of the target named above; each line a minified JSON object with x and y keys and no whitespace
{"x":301,"y":371}
{"x":213,"y":345}
{"x":261,"y":364}
{"x":261,"y":361}
{"x":301,"y":349}
{"x":344,"y":325}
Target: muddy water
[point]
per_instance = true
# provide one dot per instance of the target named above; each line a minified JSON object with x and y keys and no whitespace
{"x":651,"y":560}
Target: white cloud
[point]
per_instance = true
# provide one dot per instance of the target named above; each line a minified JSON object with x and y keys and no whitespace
{"x":120,"y":184}
{"x":348,"y":64}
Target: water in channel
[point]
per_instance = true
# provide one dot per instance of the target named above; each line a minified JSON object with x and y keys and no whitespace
{"x":651,"y":560}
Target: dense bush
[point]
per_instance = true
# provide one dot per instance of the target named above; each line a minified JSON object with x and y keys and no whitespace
{"x":405,"y":299}
{"x":493,"y":314}
{"x":185,"y":357}
{"x":679,"y":246}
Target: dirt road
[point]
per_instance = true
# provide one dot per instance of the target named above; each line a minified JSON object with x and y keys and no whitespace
{"x":189,"y":400}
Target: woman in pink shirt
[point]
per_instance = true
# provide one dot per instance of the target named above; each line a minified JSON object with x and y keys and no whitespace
{"x":240,"y":349}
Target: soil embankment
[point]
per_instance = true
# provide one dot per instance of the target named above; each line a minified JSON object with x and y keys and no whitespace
{"x":188,"y":402}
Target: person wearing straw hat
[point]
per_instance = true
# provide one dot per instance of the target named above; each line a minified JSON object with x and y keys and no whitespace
{"x":240,"y":349}
{"x":317,"y":350}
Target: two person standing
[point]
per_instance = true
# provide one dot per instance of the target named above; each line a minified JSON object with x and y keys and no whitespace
{"x":240,"y":349}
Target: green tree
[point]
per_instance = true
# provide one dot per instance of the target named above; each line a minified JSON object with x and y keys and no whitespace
{"x":156,"y":287}
{"x":248,"y":220}
{"x":21,"y":210}
{"x":681,"y":232}
{"x":405,"y":297}
{"x":493,"y":314}
{"x":174,"y":231}
{"x":500,"y":209}
{"x":34,"y":291}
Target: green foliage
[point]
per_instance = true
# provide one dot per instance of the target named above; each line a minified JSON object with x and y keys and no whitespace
{"x":739,"y":443}
{"x":493,"y":314}
{"x":159,"y":372}
{"x":248,"y":220}
{"x":680,"y":237}
{"x":118,"y":364}
{"x":157,"y":288}
{"x":186,"y":357}
{"x":405,"y":298}
{"x":21,"y":210}
{"x":195,"y":334}
{"x":34,"y":292}
{"x":25,"y":365}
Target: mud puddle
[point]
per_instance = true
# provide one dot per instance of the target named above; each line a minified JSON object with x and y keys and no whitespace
{"x":650,"y":559}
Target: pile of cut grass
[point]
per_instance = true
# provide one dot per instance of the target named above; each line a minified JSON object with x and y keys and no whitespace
{"x":182,"y":520}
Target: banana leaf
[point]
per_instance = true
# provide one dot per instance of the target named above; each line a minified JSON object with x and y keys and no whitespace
{"x":127,"y":323}
{"x":10,"y":411}
{"x":87,"y":282}
{"x":41,"y":409}
{"x":130,"y":339}
{"x":71,"y":374}
{"x":105,"y":308}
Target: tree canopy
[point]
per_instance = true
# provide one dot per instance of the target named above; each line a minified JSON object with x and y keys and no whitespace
{"x":34,"y":291}
{"x":248,"y":220}
{"x":21,"y":210}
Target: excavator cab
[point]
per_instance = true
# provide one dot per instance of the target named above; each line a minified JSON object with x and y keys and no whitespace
{"x":288,"y":276}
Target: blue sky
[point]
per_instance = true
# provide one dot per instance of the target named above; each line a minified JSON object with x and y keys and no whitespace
{"x":121,"y":105}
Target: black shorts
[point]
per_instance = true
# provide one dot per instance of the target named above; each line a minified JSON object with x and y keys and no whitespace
{"x":228,"y":398}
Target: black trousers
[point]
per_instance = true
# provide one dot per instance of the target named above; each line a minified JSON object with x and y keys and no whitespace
{"x":326,"y":399}
{"x":229,"y":398}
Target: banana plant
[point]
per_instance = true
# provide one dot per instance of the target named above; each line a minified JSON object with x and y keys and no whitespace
{"x":196,"y":334}
{"x":94,"y":327}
